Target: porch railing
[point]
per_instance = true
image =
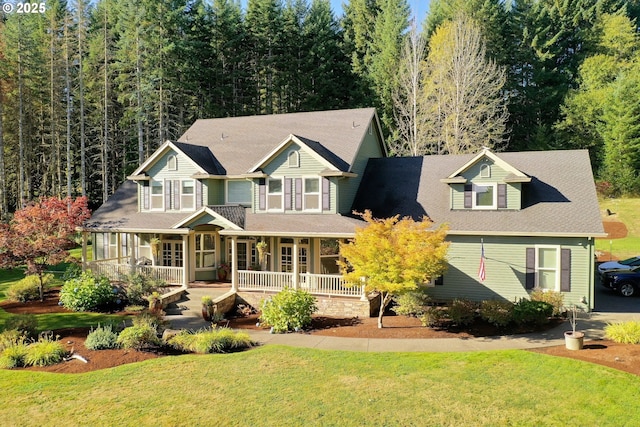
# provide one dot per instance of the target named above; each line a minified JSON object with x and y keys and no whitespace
{"x":249,"y":280}
{"x":115,"y":271}
{"x":317,"y":284}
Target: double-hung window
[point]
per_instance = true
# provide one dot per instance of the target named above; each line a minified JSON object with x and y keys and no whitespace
{"x":311,"y":194}
{"x":187,"y":194}
{"x":239,"y":192}
{"x":548,"y":267}
{"x":205,"y":251}
{"x":274,"y":194}
{"x":157,"y":195}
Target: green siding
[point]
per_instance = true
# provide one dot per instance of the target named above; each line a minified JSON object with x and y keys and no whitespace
{"x":279,"y":166}
{"x":213,"y":191}
{"x":371,"y":148}
{"x":505,"y":259}
{"x":514,"y":190}
{"x":159,"y":170}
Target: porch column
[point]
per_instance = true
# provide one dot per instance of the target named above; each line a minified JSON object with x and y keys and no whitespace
{"x":132,"y":252}
{"x":84,"y":250}
{"x":296,"y":266}
{"x":185,"y":259}
{"x":234,"y":263}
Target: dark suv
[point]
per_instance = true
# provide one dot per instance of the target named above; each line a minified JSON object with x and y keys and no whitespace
{"x":625,"y":282}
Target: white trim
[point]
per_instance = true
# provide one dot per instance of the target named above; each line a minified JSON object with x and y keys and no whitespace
{"x":173,"y":167}
{"x":281,"y":193}
{"x":496,"y":160}
{"x":203,"y":211}
{"x":288,"y":140}
{"x":295,"y":155}
{"x":151,"y":195}
{"x":494,"y":204}
{"x":182,"y":195}
{"x":318,"y":194}
{"x":485,"y":170}
{"x":159,"y":153}
{"x":557,"y":268}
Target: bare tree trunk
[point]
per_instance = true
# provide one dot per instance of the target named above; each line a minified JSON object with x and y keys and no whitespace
{"x":105,"y":139}
{"x":83,"y":159}
{"x":21,"y":178}
{"x":3,"y":184}
{"x":69,"y":106}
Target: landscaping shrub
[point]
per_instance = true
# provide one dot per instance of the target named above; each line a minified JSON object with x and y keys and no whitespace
{"x":88,"y":293}
{"x":44,"y":352}
{"x":13,"y":357}
{"x":139,"y":337}
{"x":411,"y":303}
{"x":73,"y":271}
{"x":624,"y":332}
{"x":139,"y":286}
{"x":498,"y":313}
{"x":532,"y":312}
{"x":556,"y":299}
{"x":432,"y":316}
{"x":28,"y":288}
{"x":462,"y":312}
{"x":11,"y":337}
{"x":288,"y":310}
{"x":101,"y":338}
{"x":220,"y":340}
{"x":25,"y":324}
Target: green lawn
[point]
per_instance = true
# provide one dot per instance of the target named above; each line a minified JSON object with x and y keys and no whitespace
{"x":627,"y":211}
{"x":281,"y":386}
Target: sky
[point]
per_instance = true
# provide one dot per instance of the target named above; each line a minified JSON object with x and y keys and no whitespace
{"x":418,"y":7}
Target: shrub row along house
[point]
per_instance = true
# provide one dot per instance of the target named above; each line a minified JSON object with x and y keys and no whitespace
{"x":268,"y":198}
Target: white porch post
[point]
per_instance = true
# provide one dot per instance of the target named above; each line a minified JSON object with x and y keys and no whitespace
{"x":296,"y":266}
{"x":132,"y":252}
{"x":84,"y":250}
{"x":234,"y":263}
{"x":185,"y":259}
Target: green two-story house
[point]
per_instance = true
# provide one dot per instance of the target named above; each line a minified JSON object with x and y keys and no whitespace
{"x":266,"y":197}
{"x":265,"y":200}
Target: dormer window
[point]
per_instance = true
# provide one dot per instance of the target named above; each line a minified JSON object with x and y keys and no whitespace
{"x":485,"y":171}
{"x":484,"y":196}
{"x":172,"y":162}
{"x":294,"y":159}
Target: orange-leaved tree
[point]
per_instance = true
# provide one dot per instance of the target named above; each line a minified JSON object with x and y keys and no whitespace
{"x":392,"y":256}
{"x":40,"y":234}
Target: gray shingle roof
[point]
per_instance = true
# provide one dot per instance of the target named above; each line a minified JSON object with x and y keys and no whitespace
{"x":235,"y":214}
{"x":241,"y":142}
{"x":560,"y":199}
{"x":120,"y":213}
{"x":203,"y":157}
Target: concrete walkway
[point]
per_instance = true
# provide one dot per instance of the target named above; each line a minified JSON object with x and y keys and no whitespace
{"x":186,"y":314}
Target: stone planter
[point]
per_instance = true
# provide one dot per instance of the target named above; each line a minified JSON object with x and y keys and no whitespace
{"x":574,"y":340}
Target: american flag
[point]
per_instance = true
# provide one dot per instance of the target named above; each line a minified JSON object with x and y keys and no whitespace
{"x":481,"y":271}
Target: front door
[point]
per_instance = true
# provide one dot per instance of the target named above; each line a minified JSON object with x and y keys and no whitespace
{"x":242,"y":255}
{"x":172,"y":254}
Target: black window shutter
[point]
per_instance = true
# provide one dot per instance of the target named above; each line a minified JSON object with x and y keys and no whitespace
{"x":287,"y":194}
{"x":468,"y":195}
{"x":530,"y":272}
{"x":565,"y":270}
{"x":176,"y":194}
{"x":198,"y":194}
{"x":298,"y":194}
{"x":502,"y":196}
{"x":326,"y":200}
{"x":262,"y":194}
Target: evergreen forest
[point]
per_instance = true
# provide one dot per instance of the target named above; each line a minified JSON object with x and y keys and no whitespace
{"x":89,"y":89}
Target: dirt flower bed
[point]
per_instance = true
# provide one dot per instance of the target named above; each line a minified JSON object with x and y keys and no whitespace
{"x":618,"y":356}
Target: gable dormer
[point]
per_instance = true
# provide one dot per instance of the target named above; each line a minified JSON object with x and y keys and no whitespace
{"x":486,"y":182}
{"x":299,"y":175}
{"x":168,"y":180}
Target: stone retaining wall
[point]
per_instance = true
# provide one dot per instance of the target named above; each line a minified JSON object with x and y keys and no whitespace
{"x":334,"y":307}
